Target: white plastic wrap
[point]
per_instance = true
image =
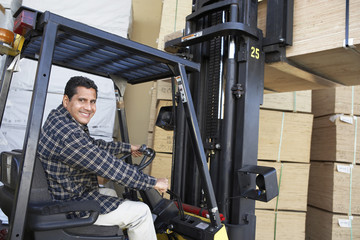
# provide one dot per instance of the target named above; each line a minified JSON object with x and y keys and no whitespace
{"x":109,"y":15}
{"x":19,"y":98}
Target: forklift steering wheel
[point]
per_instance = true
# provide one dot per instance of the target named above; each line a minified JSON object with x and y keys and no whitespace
{"x":149,"y":155}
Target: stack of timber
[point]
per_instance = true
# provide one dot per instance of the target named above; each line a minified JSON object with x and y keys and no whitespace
{"x":334,"y":198}
{"x":285,"y":130}
{"x":318,"y":56}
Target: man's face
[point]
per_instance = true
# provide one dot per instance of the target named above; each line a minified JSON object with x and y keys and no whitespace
{"x":82,"y":105}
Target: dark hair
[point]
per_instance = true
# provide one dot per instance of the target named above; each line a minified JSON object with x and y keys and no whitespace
{"x":78,"y":81}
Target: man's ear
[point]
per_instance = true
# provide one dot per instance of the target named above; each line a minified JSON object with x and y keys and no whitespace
{"x":65,"y":101}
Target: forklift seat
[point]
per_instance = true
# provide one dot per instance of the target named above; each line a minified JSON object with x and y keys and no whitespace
{"x":47,"y":219}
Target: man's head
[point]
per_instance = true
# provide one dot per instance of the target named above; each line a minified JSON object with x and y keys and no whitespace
{"x":80,"y":99}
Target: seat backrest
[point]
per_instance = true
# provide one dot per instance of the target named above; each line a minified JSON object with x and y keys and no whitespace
{"x":39,"y":187}
{"x":10,"y":170}
{"x":10,"y":165}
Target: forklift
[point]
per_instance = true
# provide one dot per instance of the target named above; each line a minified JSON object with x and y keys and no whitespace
{"x":215,"y":131}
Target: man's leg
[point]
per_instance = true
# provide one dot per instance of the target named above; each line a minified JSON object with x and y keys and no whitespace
{"x":135,"y":216}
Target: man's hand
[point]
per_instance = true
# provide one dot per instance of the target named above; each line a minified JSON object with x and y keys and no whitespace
{"x":162,"y":184}
{"x":135,"y":151}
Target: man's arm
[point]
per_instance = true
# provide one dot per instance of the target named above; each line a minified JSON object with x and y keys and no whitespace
{"x":78,"y":151}
{"x":113,"y":147}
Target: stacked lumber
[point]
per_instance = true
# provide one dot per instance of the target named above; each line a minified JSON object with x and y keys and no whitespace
{"x":284,"y":136}
{"x":326,"y":225}
{"x":298,"y":101}
{"x":284,"y":143}
{"x":288,"y":225}
{"x":334,"y":198}
{"x":318,"y":40}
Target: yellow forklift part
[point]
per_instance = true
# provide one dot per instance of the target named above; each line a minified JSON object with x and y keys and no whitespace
{"x":18,"y":42}
{"x":220,"y":235}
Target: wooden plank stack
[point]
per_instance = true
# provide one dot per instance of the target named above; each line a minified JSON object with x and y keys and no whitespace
{"x":289,"y":225}
{"x":284,"y":136}
{"x":284,"y":143}
{"x":326,"y":225}
{"x":334,"y":198}
{"x":298,"y":101}
{"x":318,"y":40}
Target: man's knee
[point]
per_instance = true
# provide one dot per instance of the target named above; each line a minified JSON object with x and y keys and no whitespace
{"x":143,"y":207}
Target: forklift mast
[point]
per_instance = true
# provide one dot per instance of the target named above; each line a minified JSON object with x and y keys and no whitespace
{"x":227,"y":94}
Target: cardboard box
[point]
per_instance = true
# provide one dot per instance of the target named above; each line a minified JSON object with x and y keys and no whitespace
{"x":289,"y":225}
{"x":293,"y":189}
{"x":331,"y":101}
{"x":334,"y":139}
{"x":323,"y":225}
{"x":285,"y":136}
{"x":329,"y":187}
{"x":161,"y":167}
{"x":318,"y":38}
{"x":163,"y":89}
{"x":299,"y":101}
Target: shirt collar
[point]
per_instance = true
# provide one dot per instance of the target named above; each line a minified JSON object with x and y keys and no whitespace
{"x":66,"y":113}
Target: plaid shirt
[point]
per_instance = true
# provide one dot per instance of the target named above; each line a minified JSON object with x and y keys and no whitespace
{"x":72,"y":160}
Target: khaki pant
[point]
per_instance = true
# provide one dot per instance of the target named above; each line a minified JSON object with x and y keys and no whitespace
{"x":134,"y":216}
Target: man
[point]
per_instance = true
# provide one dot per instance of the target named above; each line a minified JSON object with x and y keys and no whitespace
{"x":72,"y":160}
